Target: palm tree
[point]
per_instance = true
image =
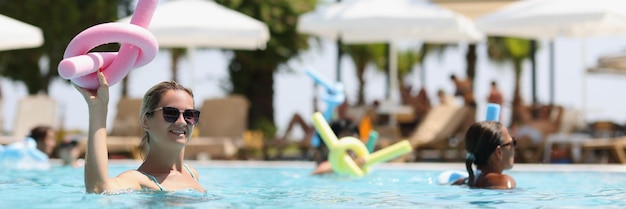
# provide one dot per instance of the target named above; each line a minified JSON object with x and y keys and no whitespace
{"x":515,"y":50}
{"x":362,"y":55}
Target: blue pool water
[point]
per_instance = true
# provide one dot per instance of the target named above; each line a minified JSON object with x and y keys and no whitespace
{"x":288,"y":185}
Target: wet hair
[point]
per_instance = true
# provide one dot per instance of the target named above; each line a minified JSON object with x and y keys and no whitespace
{"x":151,"y":100}
{"x":341,"y":128}
{"x":344,"y":127}
{"x":481,"y":139}
{"x":39,"y":133}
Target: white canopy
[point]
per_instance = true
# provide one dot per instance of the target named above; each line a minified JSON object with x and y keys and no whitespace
{"x":204,"y":23}
{"x":557,"y":18}
{"x":370,"y":21}
{"x":18,"y":35}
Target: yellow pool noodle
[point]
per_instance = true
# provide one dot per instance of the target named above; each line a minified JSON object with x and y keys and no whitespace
{"x":389,"y":153}
{"x":324,"y":130}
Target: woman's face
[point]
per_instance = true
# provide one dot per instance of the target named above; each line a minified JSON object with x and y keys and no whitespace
{"x":507,"y":147}
{"x":176,"y":132}
{"x":49,"y":142}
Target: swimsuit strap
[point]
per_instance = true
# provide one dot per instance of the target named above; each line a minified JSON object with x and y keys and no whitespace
{"x":157,"y":182}
{"x":189,"y":170}
{"x":153,"y":179}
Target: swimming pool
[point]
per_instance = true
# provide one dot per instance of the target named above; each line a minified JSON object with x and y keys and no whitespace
{"x":244,"y":184}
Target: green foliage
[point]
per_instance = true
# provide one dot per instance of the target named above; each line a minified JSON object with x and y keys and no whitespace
{"x":506,"y":49}
{"x":362,"y":55}
{"x":60,"y":21}
{"x":252,"y":72}
{"x":406,"y":60}
{"x":267,"y":127}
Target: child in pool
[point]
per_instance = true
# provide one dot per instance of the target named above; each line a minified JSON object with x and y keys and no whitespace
{"x":492,"y":150}
{"x":167,"y":117}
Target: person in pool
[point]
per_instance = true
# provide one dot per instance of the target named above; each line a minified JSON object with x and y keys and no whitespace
{"x":342,"y":128}
{"x":492,"y":150}
{"x":168,"y":118}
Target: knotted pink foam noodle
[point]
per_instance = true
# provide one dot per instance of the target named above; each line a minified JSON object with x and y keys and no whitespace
{"x":138,"y":47}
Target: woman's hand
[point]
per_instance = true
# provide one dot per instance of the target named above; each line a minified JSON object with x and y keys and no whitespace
{"x":98,"y":97}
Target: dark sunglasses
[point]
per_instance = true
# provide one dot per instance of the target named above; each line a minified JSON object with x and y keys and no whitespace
{"x":512,"y":142}
{"x":171,"y":114}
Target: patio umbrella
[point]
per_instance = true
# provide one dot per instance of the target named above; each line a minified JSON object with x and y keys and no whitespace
{"x":15,"y":34}
{"x":377,"y":21}
{"x":18,"y":35}
{"x":205,"y":24}
{"x":549,"y":19}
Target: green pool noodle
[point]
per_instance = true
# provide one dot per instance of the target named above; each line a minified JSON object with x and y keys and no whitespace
{"x":388,"y":153}
{"x":371,"y":141}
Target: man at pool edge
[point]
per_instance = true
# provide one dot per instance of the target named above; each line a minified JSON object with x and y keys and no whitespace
{"x":165,"y":137}
{"x":492,"y":149}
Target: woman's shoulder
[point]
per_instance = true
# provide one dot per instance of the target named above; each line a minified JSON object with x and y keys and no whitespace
{"x":496,"y":181}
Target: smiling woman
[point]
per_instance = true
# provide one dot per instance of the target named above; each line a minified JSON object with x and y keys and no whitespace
{"x":164,"y":140}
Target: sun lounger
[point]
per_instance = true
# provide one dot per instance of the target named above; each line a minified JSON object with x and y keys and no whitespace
{"x":222,"y":124}
{"x":614,"y":147}
{"x":440,"y":124}
{"x":32,"y":111}
{"x":125,"y":135}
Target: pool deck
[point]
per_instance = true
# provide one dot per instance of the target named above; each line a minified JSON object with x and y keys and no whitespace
{"x":411,"y":166}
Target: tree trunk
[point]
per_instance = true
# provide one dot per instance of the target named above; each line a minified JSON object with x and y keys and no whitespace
{"x":517,"y":97}
{"x":256,"y":83}
{"x":470,"y":58}
{"x":361,"y":94}
{"x":176,"y":54}
{"x":125,"y":87}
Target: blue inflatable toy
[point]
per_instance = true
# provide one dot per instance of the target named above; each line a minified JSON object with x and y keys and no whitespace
{"x":334,"y":96}
{"x":23,"y":155}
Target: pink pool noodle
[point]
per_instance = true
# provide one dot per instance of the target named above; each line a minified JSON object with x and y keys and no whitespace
{"x":138,"y":47}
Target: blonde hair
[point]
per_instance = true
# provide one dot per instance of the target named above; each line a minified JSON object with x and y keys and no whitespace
{"x":151,"y":100}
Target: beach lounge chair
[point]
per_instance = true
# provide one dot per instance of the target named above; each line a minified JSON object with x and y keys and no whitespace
{"x":126,"y":132}
{"x":613,"y":148}
{"x":32,"y":111}
{"x":441,"y":123}
{"x":222,"y":124}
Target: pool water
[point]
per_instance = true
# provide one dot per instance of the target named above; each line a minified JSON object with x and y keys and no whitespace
{"x":268,"y":185}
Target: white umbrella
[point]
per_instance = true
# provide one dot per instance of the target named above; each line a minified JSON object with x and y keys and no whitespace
{"x":204,"y":23}
{"x":538,"y":19}
{"x":376,"y":21}
{"x":371,"y":21}
{"x":18,"y":35}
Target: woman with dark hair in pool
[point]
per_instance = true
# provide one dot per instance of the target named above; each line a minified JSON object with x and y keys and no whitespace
{"x":490,"y":147}
{"x":167,"y":117}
